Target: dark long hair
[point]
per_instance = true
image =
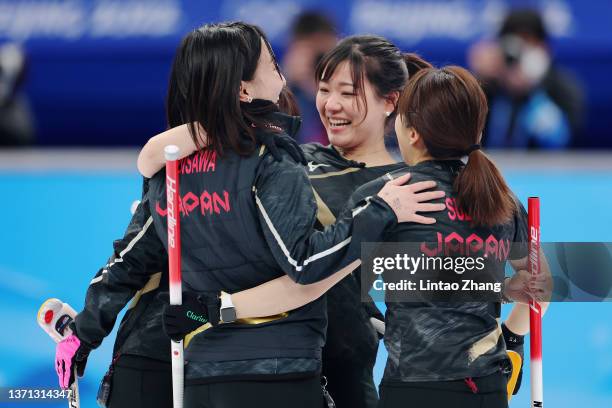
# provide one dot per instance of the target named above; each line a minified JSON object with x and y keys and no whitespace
{"x":448,"y":109}
{"x":372,"y":57}
{"x":205,"y":84}
{"x":287,"y":103}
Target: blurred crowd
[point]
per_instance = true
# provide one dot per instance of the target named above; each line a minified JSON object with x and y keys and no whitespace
{"x":533,"y":103}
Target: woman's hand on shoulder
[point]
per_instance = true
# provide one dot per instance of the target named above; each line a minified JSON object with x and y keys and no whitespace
{"x":407,"y":201}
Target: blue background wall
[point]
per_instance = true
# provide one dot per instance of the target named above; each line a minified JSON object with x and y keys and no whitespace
{"x":99,"y":69}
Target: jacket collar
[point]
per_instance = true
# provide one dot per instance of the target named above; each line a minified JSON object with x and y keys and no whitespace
{"x":342,"y":159}
{"x":290,"y":124}
{"x":317,"y":153}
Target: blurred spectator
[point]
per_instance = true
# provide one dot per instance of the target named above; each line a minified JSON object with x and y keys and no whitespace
{"x":532,"y":103}
{"x":16,"y":128}
{"x":312,"y":35}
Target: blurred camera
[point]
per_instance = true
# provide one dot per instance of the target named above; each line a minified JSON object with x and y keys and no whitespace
{"x":512,"y":47}
{"x":12,"y":67}
{"x":533,"y":61}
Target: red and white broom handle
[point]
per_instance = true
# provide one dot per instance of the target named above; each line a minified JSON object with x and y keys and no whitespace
{"x":171,"y":153}
{"x":535,"y":311}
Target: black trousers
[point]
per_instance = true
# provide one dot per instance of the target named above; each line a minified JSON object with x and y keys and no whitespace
{"x":140,"y":382}
{"x":297,"y":393}
{"x":350,"y":385}
{"x":489,"y":392}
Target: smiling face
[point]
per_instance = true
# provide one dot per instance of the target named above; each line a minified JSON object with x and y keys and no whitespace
{"x":344,"y":115}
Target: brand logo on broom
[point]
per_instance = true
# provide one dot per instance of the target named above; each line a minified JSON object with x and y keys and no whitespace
{"x":534,"y":257}
{"x":170,"y":191}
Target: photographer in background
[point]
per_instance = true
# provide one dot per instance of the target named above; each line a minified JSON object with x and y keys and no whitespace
{"x":312,"y":35}
{"x":16,"y":128}
{"x":532,"y":103}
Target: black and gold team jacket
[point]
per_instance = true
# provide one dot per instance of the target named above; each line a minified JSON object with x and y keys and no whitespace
{"x":247,"y":220}
{"x":137,"y":271}
{"x":244,"y":222}
{"x":442,"y":341}
{"x":351,"y":338}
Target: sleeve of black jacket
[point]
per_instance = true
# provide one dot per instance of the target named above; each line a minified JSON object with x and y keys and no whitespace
{"x":287,"y":211}
{"x":137,"y":256}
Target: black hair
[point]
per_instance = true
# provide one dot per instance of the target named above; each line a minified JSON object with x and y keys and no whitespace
{"x":372,"y":57}
{"x":524,"y":21}
{"x":448,"y":109}
{"x":204,"y":88}
{"x":312,"y":22}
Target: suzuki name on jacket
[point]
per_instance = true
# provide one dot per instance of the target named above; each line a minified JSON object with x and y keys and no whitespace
{"x":455,"y":243}
{"x":208,"y":203}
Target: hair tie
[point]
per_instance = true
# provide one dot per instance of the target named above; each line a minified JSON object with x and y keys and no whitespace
{"x":472,"y":148}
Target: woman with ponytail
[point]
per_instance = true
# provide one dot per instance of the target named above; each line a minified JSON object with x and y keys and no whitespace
{"x":451,"y":353}
{"x":436,"y":129}
{"x":247,"y":219}
{"x":359,"y":82}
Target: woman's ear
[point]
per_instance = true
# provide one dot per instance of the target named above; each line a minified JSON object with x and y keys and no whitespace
{"x":391,"y":101}
{"x":244,"y":92}
{"x":416,"y":140}
{"x":413,"y":137}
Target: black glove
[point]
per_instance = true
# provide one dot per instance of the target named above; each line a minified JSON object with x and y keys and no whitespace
{"x":514,"y":342}
{"x":82,"y":354}
{"x":80,"y":359}
{"x":274,"y":141}
{"x":196,"y":310}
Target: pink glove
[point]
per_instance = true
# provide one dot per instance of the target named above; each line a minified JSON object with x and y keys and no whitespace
{"x":65,"y":353}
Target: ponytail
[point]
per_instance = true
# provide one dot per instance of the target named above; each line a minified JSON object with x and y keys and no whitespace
{"x":414,"y":63}
{"x":448,"y":109}
{"x":483,"y":193}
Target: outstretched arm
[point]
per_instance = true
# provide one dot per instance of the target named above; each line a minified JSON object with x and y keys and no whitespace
{"x":137,"y":257}
{"x":287,"y":212}
{"x":540,"y":288}
{"x":151,"y":158}
{"x":282,"y":294}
